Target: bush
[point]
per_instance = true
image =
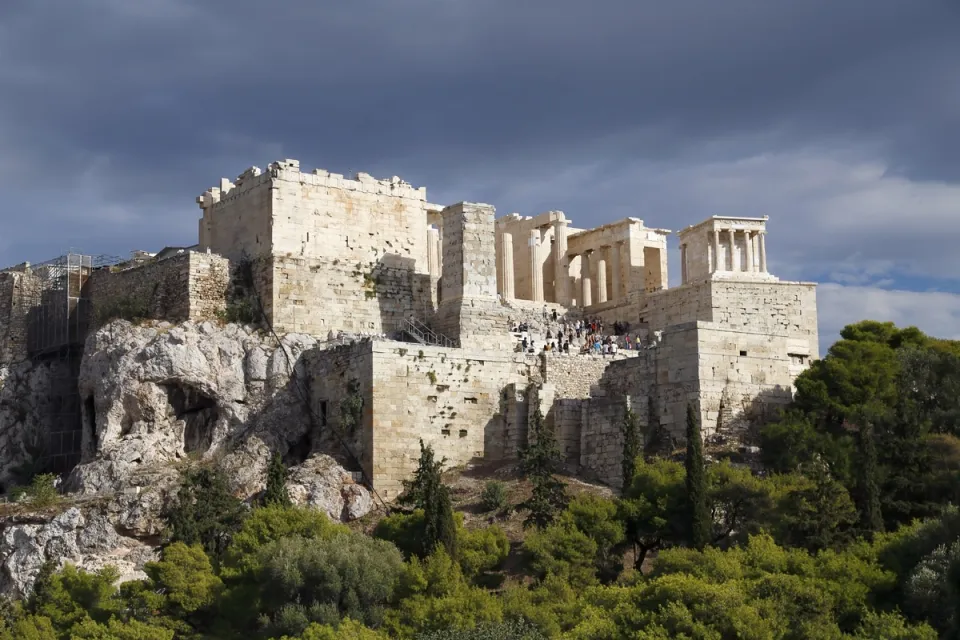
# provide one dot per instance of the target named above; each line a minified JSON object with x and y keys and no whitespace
{"x":481,"y":549}
{"x":42,"y":491}
{"x":494,"y":496}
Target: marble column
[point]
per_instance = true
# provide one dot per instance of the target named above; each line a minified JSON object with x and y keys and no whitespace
{"x":763,"y":251}
{"x":506,"y":254}
{"x":561,"y":266}
{"x":716,"y":251}
{"x":585,"y":298}
{"x":601,"y":278}
{"x":734,"y":263}
{"x":433,"y":252}
{"x":683,"y":264}
{"x":615,"y":266}
{"x":748,"y":237}
{"x":536,"y":272}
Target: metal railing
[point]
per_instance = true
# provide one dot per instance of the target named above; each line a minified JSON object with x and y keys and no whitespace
{"x":423,"y":334}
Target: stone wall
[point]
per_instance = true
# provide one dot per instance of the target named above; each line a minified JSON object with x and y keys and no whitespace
{"x":13,"y":320}
{"x":315,"y":296}
{"x":459,"y":401}
{"x":573,"y":376}
{"x":188,"y":286}
{"x":359,"y":246}
{"x":335,"y":375}
{"x":456,"y":400}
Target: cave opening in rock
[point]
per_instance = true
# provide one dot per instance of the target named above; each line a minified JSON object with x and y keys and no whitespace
{"x":90,"y":421}
{"x":198,"y":412}
{"x":299,"y":451}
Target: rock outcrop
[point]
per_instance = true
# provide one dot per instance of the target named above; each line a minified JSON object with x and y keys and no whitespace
{"x":85,"y":539}
{"x":158,"y":396}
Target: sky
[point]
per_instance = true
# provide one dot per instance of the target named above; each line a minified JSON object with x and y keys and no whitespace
{"x":839,"y":120}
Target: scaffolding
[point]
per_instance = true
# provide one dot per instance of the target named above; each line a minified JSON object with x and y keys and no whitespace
{"x":55,"y":314}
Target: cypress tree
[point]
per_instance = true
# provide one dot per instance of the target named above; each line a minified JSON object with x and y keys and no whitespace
{"x":699,"y":521}
{"x":871,"y":518}
{"x":631,"y":446}
{"x":539,"y":461}
{"x":276,"y":491}
{"x":426,"y":491}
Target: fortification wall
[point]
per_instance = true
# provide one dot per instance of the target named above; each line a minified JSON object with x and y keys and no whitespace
{"x":338,"y":377}
{"x":773,"y":308}
{"x":188,"y":286}
{"x":315,"y":296}
{"x":239,"y":222}
{"x":744,"y":377}
{"x":573,"y":376}
{"x":457,"y":400}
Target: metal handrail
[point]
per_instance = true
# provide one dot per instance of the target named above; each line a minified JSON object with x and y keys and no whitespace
{"x":423,"y":334}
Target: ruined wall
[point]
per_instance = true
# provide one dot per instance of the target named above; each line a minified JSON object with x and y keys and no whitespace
{"x":237,"y":219}
{"x":188,"y":286}
{"x":456,"y":400}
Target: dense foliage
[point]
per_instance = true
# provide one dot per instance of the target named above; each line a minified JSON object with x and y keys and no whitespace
{"x":849,"y":534}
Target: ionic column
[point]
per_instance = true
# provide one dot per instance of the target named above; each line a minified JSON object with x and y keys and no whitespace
{"x":506,"y":249}
{"x":536,"y":273}
{"x":433,"y":252}
{"x":601,"y":278}
{"x":763,"y":251}
{"x":615,"y":293}
{"x":585,"y":298}
{"x":716,"y":251}
{"x":749,"y":245}
{"x":561,"y":267}
{"x":734,"y":263}
{"x":683,"y":264}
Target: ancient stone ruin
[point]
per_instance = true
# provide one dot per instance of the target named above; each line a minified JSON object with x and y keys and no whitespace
{"x":319,"y":314}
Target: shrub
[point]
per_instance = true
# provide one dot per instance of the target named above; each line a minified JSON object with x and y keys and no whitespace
{"x":494,"y":496}
{"x":43,"y":490}
{"x":481,"y":549}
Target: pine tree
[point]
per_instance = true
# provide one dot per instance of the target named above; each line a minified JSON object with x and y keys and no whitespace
{"x":699,"y":522}
{"x":426,"y":491}
{"x":631,"y":446}
{"x":205,"y":512}
{"x":539,"y":461}
{"x":871,"y":518}
{"x":276,"y":491}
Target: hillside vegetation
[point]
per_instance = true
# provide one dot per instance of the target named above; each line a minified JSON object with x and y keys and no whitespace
{"x":850,"y":532}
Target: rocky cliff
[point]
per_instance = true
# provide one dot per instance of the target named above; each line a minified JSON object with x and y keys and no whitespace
{"x":155,"y":398}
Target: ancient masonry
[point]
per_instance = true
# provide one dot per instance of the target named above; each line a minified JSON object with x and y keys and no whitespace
{"x":436,"y":291}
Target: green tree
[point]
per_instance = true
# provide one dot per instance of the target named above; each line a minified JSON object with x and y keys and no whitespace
{"x":814,"y":511}
{"x":871,"y":517}
{"x":276,"y":490}
{"x":205,"y":511}
{"x":540,"y":460}
{"x":700,"y":525}
{"x":427,"y":492}
{"x":654,"y":507}
{"x":632,"y":445}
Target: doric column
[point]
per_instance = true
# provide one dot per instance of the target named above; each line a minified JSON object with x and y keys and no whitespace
{"x":748,"y":235}
{"x":561,"y":267}
{"x":433,"y":252}
{"x":506,"y":254}
{"x":585,"y":298}
{"x":601,"y":278}
{"x":683,"y":264}
{"x":716,"y":251}
{"x":615,"y":292}
{"x":536,"y":273}
{"x":734,"y":263}
{"x":763,"y":251}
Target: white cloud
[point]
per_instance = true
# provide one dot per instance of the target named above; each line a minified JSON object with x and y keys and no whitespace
{"x":935,"y":313}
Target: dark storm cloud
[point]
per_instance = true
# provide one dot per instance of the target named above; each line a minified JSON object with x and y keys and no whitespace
{"x":116,"y":114}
